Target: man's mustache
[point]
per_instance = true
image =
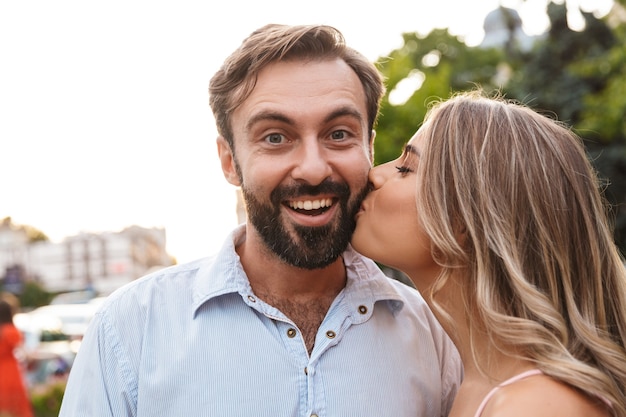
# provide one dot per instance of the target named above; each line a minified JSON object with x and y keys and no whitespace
{"x":290,"y":192}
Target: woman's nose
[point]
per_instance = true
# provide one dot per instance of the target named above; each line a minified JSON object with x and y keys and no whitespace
{"x":377,"y":175}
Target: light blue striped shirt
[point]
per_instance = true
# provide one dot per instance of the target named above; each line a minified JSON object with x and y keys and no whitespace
{"x":193,"y":340}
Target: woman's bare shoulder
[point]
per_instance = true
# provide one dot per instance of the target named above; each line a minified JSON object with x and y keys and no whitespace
{"x":542,"y":396}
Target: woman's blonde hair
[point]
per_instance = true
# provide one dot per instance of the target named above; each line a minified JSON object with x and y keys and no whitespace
{"x":544,"y":278}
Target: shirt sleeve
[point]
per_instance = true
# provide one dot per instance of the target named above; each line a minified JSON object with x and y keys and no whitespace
{"x":101,"y":382}
{"x":452,"y":376}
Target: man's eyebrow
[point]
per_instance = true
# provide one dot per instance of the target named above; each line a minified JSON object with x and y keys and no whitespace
{"x":268,"y":115}
{"x":280,"y":117}
{"x":344,"y":111}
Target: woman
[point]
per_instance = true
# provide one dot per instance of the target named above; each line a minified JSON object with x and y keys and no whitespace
{"x":13,"y":396}
{"x":495,"y":214}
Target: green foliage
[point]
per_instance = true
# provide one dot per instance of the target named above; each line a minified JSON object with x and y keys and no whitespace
{"x":576,"y":77}
{"x":33,"y":234}
{"x":446,"y":65}
{"x":46,"y":399}
{"x":610,"y":161}
{"x":559,"y":73}
{"x":33,"y":295}
{"x":602,"y":118}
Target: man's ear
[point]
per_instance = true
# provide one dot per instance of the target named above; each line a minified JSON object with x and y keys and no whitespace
{"x":371,"y":147}
{"x":227,"y":159}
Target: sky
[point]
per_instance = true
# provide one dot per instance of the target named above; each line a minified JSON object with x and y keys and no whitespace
{"x":104,"y":116}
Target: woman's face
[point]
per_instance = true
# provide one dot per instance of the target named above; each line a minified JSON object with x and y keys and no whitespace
{"x":388,"y":226}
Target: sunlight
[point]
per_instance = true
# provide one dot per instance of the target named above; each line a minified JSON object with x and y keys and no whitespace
{"x":406,"y":87}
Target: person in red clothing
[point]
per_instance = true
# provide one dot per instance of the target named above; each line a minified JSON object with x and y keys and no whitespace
{"x":14,"y":399}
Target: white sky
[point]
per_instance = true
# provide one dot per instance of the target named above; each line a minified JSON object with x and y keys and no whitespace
{"x":104,"y":116}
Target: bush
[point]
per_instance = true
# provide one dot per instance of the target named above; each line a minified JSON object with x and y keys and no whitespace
{"x":46,"y":399}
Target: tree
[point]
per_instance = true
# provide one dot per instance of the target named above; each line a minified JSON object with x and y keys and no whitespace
{"x":441,"y":64}
{"x":586,"y":89}
{"x":34,"y":295}
{"x":552,"y":79}
{"x":603,"y":123}
{"x":33,"y":234}
{"x":577,"y":77}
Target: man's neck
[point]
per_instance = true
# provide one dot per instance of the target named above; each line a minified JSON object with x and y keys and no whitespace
{"x":268,"y":274}
{"x":303,"y":295}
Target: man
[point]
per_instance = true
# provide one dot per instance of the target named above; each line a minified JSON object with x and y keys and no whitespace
{"x":286,"y":320}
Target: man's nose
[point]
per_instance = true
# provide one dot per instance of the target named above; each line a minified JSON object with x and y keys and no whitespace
{"x":312,"y":162}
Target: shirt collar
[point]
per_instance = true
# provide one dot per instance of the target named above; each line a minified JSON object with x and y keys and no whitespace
{"x":223,"y":274}
{"x":368,"y":284}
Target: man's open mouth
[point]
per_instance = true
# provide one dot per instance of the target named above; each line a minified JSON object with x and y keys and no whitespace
{"x":311,"y":207}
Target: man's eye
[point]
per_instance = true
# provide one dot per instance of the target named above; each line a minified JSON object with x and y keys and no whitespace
{"x":338,"y":134}
{"x":275,"y":138}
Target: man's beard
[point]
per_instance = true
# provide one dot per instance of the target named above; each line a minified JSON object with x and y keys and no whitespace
{"x":311,"y":247}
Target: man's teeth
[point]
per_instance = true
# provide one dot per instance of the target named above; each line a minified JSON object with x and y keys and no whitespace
{"x":311,"y":204}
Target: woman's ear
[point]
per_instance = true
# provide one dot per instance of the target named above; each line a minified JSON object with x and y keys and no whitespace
{"x":227,"y":160}
{"x":462,"y":235}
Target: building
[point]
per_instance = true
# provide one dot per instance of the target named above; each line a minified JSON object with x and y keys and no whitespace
{"x":503,"y":29}
{"x":96,"y":261}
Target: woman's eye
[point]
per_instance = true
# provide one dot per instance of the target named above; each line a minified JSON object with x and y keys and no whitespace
{"x":404,"y":169}
{"x":274,"y":138}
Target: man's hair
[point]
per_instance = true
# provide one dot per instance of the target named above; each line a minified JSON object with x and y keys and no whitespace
{"x":235,"y":80}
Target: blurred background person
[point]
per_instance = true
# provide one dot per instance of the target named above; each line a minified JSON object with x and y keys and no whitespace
{"x":495,"y":213}
{"x":14,"y":400}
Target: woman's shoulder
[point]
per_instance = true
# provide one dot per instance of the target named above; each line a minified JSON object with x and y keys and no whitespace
{"x":543,"y":396}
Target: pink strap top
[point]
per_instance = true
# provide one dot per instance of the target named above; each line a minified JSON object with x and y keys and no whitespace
{"x":509,"y":381}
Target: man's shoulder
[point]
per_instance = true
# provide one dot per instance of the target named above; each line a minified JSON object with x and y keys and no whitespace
{"x":166,"y":275}
{"x":381,"y":283}
{"x":175,"y":283}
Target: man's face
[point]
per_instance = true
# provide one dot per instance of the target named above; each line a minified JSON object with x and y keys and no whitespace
{"x":303,"y":152}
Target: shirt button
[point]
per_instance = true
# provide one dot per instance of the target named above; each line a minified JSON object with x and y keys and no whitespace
{"x":291,"y":332}
{"x":330,"y":334}
{"x":362,"y":309}
{"x":252,"y":299}
{"x":313,"y":415}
